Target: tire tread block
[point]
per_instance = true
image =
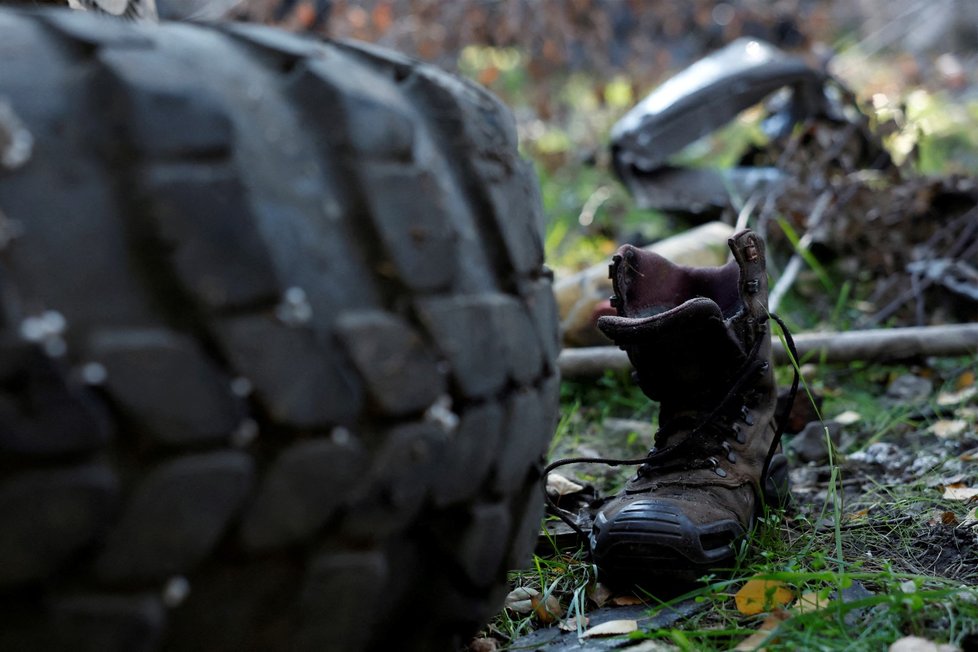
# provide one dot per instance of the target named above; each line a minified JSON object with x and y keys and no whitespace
{"x":527,"y":432}
{"x":482,"y":545}
{"x":44,"y":413}
{"x":400,"y":372}
{"x":300,"y":380}
{"x":462,"y":328}
{"x":465,"y":464}
{"x":390,"y":495}
{"x":222,"y":262}
{"x":305,"y":486}
{"x":163,"y":381}
{"x":338,"y":608}
{"x":109,"y":623}
{"x":411,"y":218}
{"x":167,"y":112}
{"x":49,"y":515}
{"x":175,"y":517}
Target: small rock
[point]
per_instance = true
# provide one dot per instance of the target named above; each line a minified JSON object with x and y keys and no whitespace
{"x":883,"y":453}
{"x":810,"y":445}
{"x":909,"y":388}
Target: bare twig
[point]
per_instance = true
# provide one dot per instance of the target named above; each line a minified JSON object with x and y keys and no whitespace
{"x":870,"y":346}
{"x":794,"y":265}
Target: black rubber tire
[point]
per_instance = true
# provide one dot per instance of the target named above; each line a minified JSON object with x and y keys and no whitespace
{"x":278,"y":345}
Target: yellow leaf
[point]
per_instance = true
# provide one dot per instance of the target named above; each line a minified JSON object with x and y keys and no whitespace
{"x":857,"y":515}
{"x":966,"y":379}
{"x":757,"y":596}
{"x":758,"y":638}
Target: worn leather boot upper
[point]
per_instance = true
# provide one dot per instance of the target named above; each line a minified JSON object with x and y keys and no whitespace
{"x":699,"y":341}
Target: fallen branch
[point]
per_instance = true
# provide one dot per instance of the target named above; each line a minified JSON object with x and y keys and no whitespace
{"x":870,"y":346}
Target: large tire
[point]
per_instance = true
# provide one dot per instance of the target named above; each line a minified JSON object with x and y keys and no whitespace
{"x":278,"y":345}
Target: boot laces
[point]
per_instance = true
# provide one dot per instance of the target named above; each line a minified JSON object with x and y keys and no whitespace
{"x":706,"y":440}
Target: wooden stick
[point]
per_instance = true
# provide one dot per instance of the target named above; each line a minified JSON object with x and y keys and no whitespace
{"x":869,"y":346}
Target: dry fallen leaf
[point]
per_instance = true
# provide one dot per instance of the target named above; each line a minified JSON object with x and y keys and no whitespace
{"x":573,"y":624}
{"x":757,"y":596}
{"x":848,"y":418}
{"x":483,"y":645}
{"x":971,"y":518}
{"x":520,"y":599}
{"x":918,"y":644}
{"x":953,"y":398}
{"x":859,"y":515}
{"x":547,"y":610}
{"x":948,"y":427}
{"x":941,"y":517}
{"x":626,"y":601}
{"x":612,"y":628}
{"x":599,"y":594}
{"x":758,"y":638}
{"x":959,"y":492}
{"x":558,"y":485}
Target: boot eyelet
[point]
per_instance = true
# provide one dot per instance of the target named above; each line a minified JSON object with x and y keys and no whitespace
{"x":746,"y":416}
{"x":729,"y":453}
{"x":753,"y":286}
{"x":720,"y":472}
{"x":741,"y":436}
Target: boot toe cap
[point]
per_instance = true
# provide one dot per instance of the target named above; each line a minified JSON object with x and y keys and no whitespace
{"x":658,"y":537}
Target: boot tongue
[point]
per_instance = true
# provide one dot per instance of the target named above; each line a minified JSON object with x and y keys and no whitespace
{"x":684,"y":357}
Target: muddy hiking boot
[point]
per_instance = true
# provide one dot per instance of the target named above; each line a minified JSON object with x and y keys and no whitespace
{"x":699,"y":341}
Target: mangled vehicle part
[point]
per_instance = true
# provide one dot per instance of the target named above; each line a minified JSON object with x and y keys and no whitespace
{"x":703,"y":98}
